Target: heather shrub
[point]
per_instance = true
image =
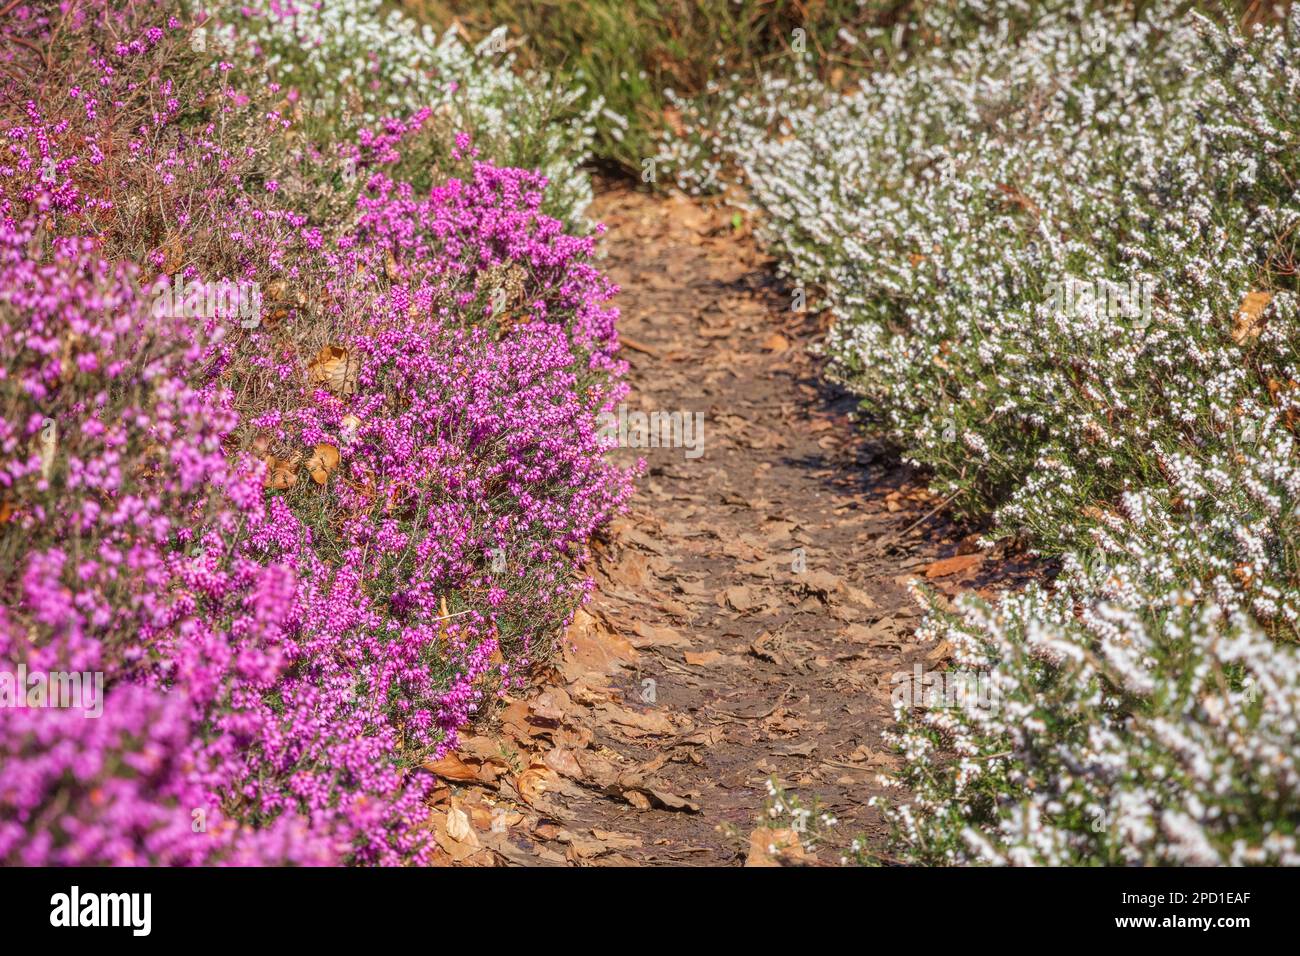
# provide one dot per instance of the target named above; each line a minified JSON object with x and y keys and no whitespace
{"x":461,"y":418}
{"x":347,"y":66}
{"x":305,"y":541}
{"x":1059,"y":251}
{"x":118,"y":512}
{"x":954,"y":335}
{"x":1127,"y":723}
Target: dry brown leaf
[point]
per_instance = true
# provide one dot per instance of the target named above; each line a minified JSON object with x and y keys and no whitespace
{"x":821,"y":583}
{"x":550,"y":705}
{"x":493,"y":819}
{"x":644,"y":797}
{"x":633,"y":723}
{"x":458,"y":825}
{"x":632,"y":572}
{"x":534,"y":782}
{"x":953,"y":565}
{"x":768,"y":847}
{"x":703,"y":658}
{"x":324,"y":459}
{"x":334,"y":368}
{"x":739,"y":597}
{"x":650,"y":635}
{"x":563,"y":762}
{"x":451,"y":767}
{"x":281,"y":473}
{"x":616,"y":838}
{"x":1249,"y":320}
{"x":596,"y":769}
{"x":458,"y":848}
{"x":590,"y":648}
{"x":764,"y":647}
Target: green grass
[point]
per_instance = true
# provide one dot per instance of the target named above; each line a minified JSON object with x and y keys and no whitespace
{"x":632,"y":51}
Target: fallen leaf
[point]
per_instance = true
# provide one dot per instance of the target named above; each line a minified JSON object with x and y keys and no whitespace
{"x":739,"y":597}
{"x":703,"y":658}
{"x":451,"y":767}
{"x":884,"y":632}
{"x":534,"y":782}
{"x":458,"y":848}
{"x":334,"y":368}
{"x":649,"y":635}
{"x":1249,"y":320}
{"x":953,"y":565}
{"x":563,"y":762}
{"x":324,"y":459}
{"x":591,"y":648}
{"x":633,"y":723}
{"x":644,"y":797}
{"x":801,"y":749}
{"x":768,"y":847}
{"x":458,"y":826}
{"x":765,"y":649}
{"x":616,"y":839}
{"x":821,"y":583}
{"x":281,"y":473}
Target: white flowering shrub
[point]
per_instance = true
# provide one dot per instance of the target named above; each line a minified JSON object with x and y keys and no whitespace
{"x":353,"y":63}
{"x":1060,"y":251}
{"x":723,"y":124}
{"x":1125,"y":724}
{"x":940,"y":209}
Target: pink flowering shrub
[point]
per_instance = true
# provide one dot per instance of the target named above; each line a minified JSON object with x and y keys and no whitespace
{"x":139,"y":552}
{"x":471,"y":473}
{"x":303,"y":550}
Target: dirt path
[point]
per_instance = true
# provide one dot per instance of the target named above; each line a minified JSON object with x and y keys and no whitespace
{"x":748,"y":619}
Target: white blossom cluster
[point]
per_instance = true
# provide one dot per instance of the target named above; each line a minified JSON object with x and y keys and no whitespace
{"x":358,"y":63}
{"x":1151,"y":698}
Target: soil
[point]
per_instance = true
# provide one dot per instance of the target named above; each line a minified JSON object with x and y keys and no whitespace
{"x":752,"y":607}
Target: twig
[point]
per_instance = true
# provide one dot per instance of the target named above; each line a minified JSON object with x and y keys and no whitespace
{"x":636,"y":346}
{"x":767,"y":713}
{"x":850,"y":766}
{"x":925,"y":517}
{"x":29,"y":44}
